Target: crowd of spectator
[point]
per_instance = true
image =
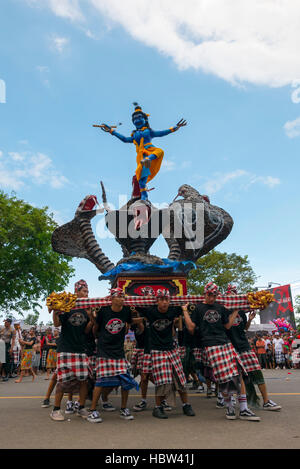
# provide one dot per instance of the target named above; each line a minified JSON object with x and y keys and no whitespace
{"x":33,"y":351}
{"x":276,"y":351}
{"x":26,"y":352}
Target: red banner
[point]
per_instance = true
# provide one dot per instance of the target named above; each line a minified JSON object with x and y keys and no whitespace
{"x":282,"y":307}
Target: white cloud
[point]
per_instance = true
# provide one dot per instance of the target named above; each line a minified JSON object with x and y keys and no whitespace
{"x":292,"y":128}
{"x":19,"y":169}
{"x":219,"y":180}
{"x":295,"y":96}
{"x":16,"y":156}
{"x":59,"y":44}
{"x":169,"y":165}
{"x":69,"y":9}
{"x":253,"y":41}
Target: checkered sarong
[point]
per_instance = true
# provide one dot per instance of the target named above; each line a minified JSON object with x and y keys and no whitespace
{"x":72,"y":366}
{"x":16,"y":356}
{"x":107,"y":367}
{"x":279,"y":357}
{"x":164,"y":364}
{"x":182,"y":351}
{"x":222,"y":359}
{"x":249,"y":361}
{"x":200,"y":356}
{"x":147,"y":364}
{"x":137,"y":359}
{"x":92,"y":362}
{"x":44,"y":358}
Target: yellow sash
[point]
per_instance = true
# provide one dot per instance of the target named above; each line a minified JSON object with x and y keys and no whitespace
{"x":141,"y":152}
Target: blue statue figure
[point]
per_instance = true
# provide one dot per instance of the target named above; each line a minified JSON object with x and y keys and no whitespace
{"x":149,"y":157}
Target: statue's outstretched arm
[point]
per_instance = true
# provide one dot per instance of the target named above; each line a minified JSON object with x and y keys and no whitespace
{"x":162,"y":133}
{"x":107,"y":128}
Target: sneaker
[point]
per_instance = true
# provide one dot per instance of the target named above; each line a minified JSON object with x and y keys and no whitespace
{"x":46,"y":403}
{"x":247,"y":414}
{"x":94,"y":417}
{"x":166,"y":406}
{"x":57,"y":415}
{"x":84,"y":413}
{"x":220,"y":404}
{"x":187,"y":410}
{"x":125,"y":414}
{"x":108,"y":407}
{"x":141,"y":406}
{"x":70,"y":409}
{"x":230,"y":413}
{"x":209,"y":393}
{"x":270,"y":405}
{"x":200,"y":388}
{"x":76,"y":406}
{"x":159,"y":413}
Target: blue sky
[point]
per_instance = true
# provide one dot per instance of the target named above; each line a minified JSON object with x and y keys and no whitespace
{"x":69,"y":64}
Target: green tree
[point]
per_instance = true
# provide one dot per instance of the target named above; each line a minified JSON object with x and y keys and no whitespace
{"x":221,"y":268}
{"x":32,"y":319}
{"x":29,"y":269}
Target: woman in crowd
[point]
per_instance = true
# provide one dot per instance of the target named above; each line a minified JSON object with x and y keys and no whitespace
{"x":52,"y":354}
{"x":26,"y":363}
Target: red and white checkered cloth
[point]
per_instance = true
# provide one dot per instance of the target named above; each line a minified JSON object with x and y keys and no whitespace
{"x":164,"y":362}
{"x":200,"y":356}
{"x":249,"y":360}
{"x":147,"y":364}
{"x":223,"y":361}
{"x":107,"y":367}
{"x":137,"y":360}
{"x":230,"y":302}
{"x":72,"y":366}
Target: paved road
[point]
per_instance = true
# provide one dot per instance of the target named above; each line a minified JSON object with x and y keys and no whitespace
{"x":24,"y":424}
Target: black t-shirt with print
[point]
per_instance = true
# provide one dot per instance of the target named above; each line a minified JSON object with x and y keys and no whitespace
{"x":210,"y":320}
{"x":161,"y":326}
{"x":237,"y":333}
{"x":30,"y":339}
{"x":72,"y":336}
{"x":112,"y":331}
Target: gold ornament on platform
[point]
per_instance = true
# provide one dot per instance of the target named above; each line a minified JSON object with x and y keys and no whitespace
{"x":61,"y":301}
{"x":260,"y":299}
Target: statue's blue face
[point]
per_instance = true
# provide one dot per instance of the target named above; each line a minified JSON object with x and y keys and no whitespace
{"x":139,"y":121}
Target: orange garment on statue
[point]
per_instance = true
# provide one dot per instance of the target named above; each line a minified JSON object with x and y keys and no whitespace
{"x":143,"y":152}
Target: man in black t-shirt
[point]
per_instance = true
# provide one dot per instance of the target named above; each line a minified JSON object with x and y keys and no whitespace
{"x":211,"y":320}
{"x":112,"y":369}
{"x":167,"y":368}
{"x":237,"y":335}
{"x":72,"y":361}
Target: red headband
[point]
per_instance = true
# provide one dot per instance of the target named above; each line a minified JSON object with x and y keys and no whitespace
{"x":231,"y":289}
{"x":78,"y":285}
{"x":211,"y":288}
{"x":116,"y":292}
